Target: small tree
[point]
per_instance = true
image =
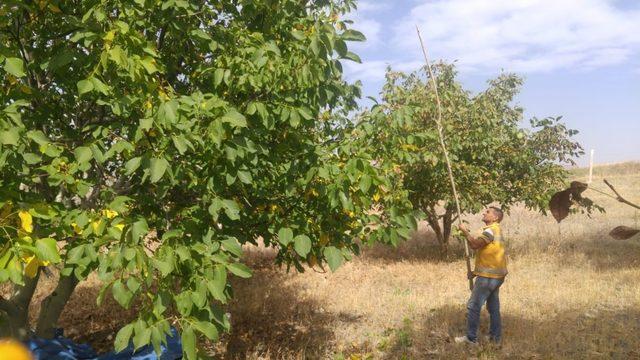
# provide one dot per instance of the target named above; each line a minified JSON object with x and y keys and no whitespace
{"x":148,"y":141}
{"x":493,"y":158}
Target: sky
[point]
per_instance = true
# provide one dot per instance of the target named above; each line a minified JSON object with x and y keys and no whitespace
{"x":580,"y":58}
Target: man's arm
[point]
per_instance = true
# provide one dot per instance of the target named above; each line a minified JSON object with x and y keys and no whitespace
{"x":474,"y":243}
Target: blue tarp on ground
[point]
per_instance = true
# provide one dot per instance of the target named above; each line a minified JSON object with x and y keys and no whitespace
{"x":61,"y":348}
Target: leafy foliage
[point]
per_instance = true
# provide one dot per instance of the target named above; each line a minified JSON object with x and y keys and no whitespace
{"x":493,"y":158}
{"x":148,"y":141}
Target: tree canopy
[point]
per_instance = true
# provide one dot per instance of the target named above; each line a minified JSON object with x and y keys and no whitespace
{"x":494,"y":159}
{"x":149,"y":140}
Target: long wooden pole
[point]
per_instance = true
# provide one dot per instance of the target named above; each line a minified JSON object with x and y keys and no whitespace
{"x":444,"y":150}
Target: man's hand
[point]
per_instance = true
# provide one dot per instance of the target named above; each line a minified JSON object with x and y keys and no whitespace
{"x":470,"y":275}
{"x":463,"y":228}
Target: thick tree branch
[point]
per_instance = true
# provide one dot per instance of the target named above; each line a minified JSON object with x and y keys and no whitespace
{"x":52,"y":306}
{"x":23,"y":294}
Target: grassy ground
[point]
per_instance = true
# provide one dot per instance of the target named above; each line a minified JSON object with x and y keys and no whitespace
{"x":571,"y":293}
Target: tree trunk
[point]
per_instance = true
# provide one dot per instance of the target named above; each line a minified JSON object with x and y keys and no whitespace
{"x":52,"y":306}
{"x":447,"y":222}
{"x":15,"y":312}
{"x":443,"y":232}
{"x":434,"y":222}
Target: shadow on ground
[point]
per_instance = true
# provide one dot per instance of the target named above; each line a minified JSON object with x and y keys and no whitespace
{"x":605,"y":253}
{"x":422,"y":246}
{"x":592,"y":334}
{"x":272,"y":319}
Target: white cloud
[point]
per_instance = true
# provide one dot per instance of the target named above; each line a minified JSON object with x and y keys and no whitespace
{"x":371,"y":30}
{"x":368,"y":19}
{"x":525,"y":36}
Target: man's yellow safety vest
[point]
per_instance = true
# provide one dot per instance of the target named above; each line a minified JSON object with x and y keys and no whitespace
{"x":491,"y":260}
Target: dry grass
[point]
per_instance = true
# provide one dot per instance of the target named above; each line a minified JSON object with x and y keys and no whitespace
{"x":571,"y":293}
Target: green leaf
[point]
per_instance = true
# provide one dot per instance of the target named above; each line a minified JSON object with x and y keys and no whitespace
{"x":14,"y":66}
{"x":122,"y":337}
{"x":38,"y":136}
{"x":132,"y":165}
{"x":334,"y":257}
{"x":165,"y":267}
{"x":214,"y":208}
{"x":146,"y":124}
{"x":129,"y":253}
{"x":48,"y":250}
{"x":31,"y":158}
{"x":119,"y":204}
{"x":232,"y":209}
{"x":305,"y":113}
{"x":353,"y":57}
{"x":217,"y":285}
{"x":84,"y":86}
{"x":139,"y":229}
{"x":97,"y":154}
{"x":341,"y":47}
{"x":285,"y":236}
{"x":199,"y":297}
{"x":9,"y":137}
{"x":180,"y":143}
{"x":294,"y":118}
{"x":302,"y":245}
{"x":158,"y":168}
{"x":100,"y":86}
{"x":234,"y":118}
{"x":133,"y":284}
{"x":207,"y":329}
{"x":233,"y":246}
{"x":353,"y":35}
{"x":365,"y":183}
{"x":149,"y":65}
{"x":245,"y":177}
{"x":174,"y":233}
{"x":168,"y":112}
{"x":184,"y":302}
{"x":142,"y":338}
{"x":189,"y":342}
{"x":218,"y":75}
{"x":240,"y":270}
{"x":121,"y":294}
{"x":298,"y":35}
{"x":156,"y":339}
{"x":83,"y":154}
{"x":59,"y":60}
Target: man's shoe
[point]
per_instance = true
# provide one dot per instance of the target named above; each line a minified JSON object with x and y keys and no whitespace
{"x":465,"y":340}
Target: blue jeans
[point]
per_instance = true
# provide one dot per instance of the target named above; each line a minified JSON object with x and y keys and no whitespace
{"x":484,"y":289}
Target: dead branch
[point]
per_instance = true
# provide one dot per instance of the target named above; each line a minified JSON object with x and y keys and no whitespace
{"x":620,"y":198}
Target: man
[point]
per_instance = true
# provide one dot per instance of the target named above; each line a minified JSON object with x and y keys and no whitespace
{"x":490,"y":271}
